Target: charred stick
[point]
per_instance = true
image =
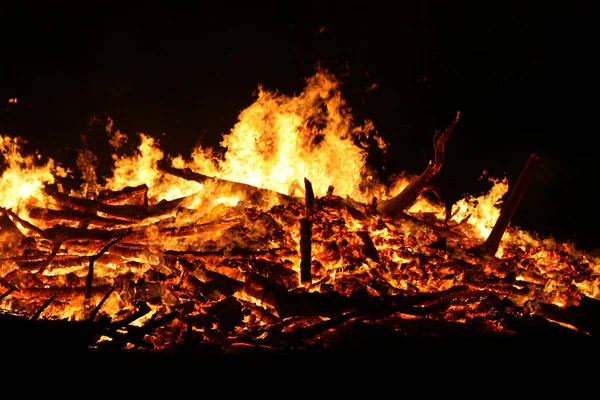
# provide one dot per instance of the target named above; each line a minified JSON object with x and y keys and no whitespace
{"x":100,"y":304}
{"x":21,"y":221}
{"x":142,"y":310}
{"x":67,"y":262}
{"x":63,"y":234}
{"x":55,"y":249}
{"x":93,"y":259}
{"x":309,"y":197}
{"x":398,"y":204}
{"x":305,"y":250}
{"x":7,"y":293}
{"x":490,"y":247}
{"x":42,"y":308}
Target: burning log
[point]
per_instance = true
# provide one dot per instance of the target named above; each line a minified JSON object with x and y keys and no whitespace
{"x":397,"y":205}
{"x":132,"y":213}
{"x":490,"y":247}
{"x":75,"y":216}
{"x":288,"y":304}
{"x":42,"y":308}
{"x":249,"y":190}
{"x":131,"y":195}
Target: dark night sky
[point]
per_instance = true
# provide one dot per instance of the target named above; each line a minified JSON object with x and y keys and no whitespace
{"x":520,"y":72}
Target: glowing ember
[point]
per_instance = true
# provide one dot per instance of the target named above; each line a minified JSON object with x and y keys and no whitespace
{"x":211,"y":246}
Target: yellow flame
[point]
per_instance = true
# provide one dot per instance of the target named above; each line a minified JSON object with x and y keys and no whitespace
{"x":280,"y":140}
{"x":23,"y":180}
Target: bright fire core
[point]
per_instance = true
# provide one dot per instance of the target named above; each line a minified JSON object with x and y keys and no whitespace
{"x":201,"y":250}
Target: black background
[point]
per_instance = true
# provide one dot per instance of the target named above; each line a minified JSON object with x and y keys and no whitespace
{"x":521,"y":73}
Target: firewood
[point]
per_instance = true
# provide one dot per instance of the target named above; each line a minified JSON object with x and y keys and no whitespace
{"x":67,"y":261}
{"x":61,"y":292}
{"x":490,"y":247}
{"x":42,"y":308}
{"x":584,"y":317}
{"x":289,"y":304}
{"x":305,"y":250}
{"x":74,"y":216}
{"x":133,"y":213}
{"x":44,"y":264}
{"x":90,"y":275}
{"x":7,"y":293}
{"x":131,"y":195}
{"x":96,"y":309}
{"x":309,"y":197}
{"x":249,"y":190}
{"x":369,"y":249}
{"x":398,"y":204}
{"x":26,"y":224}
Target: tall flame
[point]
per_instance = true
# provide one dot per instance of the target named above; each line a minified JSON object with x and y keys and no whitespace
{"x":280,"y":140}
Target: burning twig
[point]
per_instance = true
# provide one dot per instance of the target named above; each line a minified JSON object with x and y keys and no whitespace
{"x":93,"y":259}
{"x":55,"y":249}
{"x":395,"y":206}
{"x":21,"y":221}
{"x":492,"y":243}
{"x":100,"y":304}
{"x":42,"y":308}
{"x":74,"y":215}
{"x":7,"y":293}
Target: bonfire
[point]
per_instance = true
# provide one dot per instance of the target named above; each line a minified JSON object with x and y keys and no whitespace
{"x":286,"y":239}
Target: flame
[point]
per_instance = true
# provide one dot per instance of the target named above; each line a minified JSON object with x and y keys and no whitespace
{"x":280,"y":140}
{"x":24,"y":176}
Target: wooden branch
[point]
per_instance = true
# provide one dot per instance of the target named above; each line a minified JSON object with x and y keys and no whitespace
{"x":393,"y":207}
{"x":95,"y":311}
{"x":490,"y":247}
{"x":245,"y":188}
{"x":75,"y":216}
{"x":309,"y":197}
{"x":55,"y":249}
{"x":93,"y":259}
{"x":7,"y":293}
{"x":133,"y":213}
{"x":26,"y":224}
{"x":305,"y":250}
{"x":306,"y":235}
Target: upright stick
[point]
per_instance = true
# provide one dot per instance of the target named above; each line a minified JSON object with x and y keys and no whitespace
{"x":490,"y":247}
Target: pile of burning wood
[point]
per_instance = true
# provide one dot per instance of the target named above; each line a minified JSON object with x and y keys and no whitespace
{"x":116,"y":272}
{"x":215,"y":257}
